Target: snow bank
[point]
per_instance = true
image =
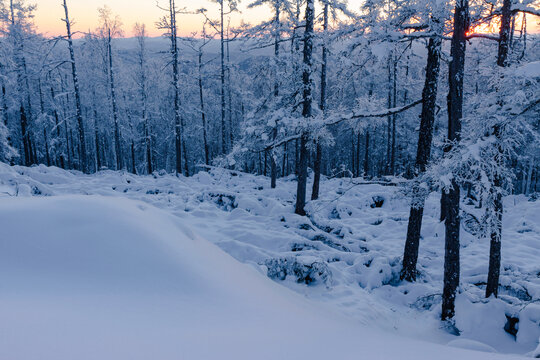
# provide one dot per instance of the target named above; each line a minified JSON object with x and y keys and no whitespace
{"x":91,"y":277}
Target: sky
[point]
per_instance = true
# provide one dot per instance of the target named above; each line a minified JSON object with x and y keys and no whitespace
{"x":84,"y":13}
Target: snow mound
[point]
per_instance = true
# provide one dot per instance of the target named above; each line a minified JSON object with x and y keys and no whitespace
{"x":91,"y":277}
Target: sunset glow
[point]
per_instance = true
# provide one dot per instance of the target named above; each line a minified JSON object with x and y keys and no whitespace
{"x":84,"y":13}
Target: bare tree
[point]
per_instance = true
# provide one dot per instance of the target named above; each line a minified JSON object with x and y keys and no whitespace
{"x":141,"y":34}
{"x":306,"y":107}
{"x":83,"y":163}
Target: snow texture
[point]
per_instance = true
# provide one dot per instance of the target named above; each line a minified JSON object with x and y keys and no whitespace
{"x":111,"y":276}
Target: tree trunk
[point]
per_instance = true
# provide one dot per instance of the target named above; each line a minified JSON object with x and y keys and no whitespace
{"x":5,"y":119}
{"x":83,"y":164}
{"x":60,"y":159}
{"x":229,"y":94}
{"x":203,"y":114}
{"x":177,"y":117}
{"x":366,"y":156}
{"x":285,"y":165}
{"x":25,"y":137}
{"x":273,"y":165}
{"x":394,"y":117}
{"x":47,"y":153}
{"x":451,"y":199}
{"x":306,"y":110}
{"x":141,"y":36}
{"x":358,"y":155}
{"x":96,"y":140}
{"x":68,"y":147}
{"x":222,"y":78}
{"x":322,"y":106}
{"x":389,"y":118}
{"x":117,"y":143}
{"x":133,"y":165}
{"x":496,"y":225}
{"x":429,"y":97}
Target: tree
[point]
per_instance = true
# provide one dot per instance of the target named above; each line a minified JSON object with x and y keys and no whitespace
{"x":328,"y":5}
{"x":452,"y":197}
{"x":83,"y":163}
{"x":279,"y":7}
{"x":219,"y":26}
{"x":322,"y":105}
{"x":429,"y":97}
{"x":140,"y":33}
{"x":18,"y":31}
{"x":110,"y":28}
{"x":306,"y":107}
{"x":434,"y":20}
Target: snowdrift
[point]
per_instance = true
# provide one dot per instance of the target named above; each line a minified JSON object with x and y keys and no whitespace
{"x":91,"y":277}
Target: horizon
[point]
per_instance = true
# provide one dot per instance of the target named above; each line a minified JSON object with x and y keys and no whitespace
{"x":84,"y":15}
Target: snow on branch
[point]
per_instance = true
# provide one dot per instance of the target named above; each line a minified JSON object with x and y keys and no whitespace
{"x":384,"y":113}
{"x":338,"y":118}
{"x":482,"y":36}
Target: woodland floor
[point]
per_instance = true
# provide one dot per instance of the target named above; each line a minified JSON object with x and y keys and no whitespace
{"x":346,"y":254}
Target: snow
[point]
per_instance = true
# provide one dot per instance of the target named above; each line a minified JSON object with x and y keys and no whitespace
{"x":125,"y":262}
{"x":529,"y":70}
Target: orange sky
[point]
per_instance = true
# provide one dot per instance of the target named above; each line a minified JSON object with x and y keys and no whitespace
{"x":84,"y":13}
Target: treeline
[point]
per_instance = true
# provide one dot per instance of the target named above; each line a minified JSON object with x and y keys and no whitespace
{"x":395,"y":89}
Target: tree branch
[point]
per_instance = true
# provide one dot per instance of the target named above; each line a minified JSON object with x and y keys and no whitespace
{"x":336,"y":120}
{"x":483,"y":36}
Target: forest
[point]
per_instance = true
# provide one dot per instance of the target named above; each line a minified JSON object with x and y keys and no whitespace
{"x":426,"y":111}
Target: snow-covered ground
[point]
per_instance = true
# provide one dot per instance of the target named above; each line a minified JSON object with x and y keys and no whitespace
{"x":104,"y":277}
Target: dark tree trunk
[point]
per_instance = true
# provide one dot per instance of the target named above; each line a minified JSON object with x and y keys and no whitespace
{"x":5,"y":117}
{"x":394,"y":117}
{"x":358,"y":155}
{"x":322,"y":106}
{"x":222,"y":79}
{"x":317,"y":173}
{"x":47,"y":153}
{"x":296,"y":157}
{"x":366,"y":156}
{"x":133,"y":165}
{"x":265,"y":162}
{"x":285,"y":165}
{"x":117,"y":142}
{"x":177,"y":116}
{"x":229,"y":94}
{"x":203,"y":113}
{"x":96,"y":140}
{"x":496,"y":226}
{"x":68,"y":147}
{"x":429,"y":97}
{"x":83,"y":164}
{"x":273,"y":165}
{"x":451,"y":199}
{"x":25,"y":137}
{"x":306,"y":110}
{"x":60,"y":160}
{"x":389,"y":118}
{"x":353,"y":153}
